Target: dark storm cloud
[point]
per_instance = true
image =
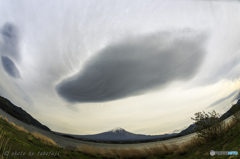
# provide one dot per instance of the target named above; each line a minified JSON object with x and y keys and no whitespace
{"x":10,"y":67}
{"x":10,"y":37}
{"x":223,"y":99}
{"x":134,"y":66}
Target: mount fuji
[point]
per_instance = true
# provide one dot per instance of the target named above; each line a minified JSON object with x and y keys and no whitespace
{"x":118,"y":134}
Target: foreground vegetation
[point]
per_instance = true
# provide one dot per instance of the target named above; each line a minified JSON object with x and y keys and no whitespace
{"x":19,"y":143}
{"x":196,"y":148}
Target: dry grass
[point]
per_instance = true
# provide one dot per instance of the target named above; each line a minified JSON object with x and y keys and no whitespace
{"x":144,"y":152}
{"x":230,"y":125}
{"x":135,"y":153}
{"x":43,"y":139}
{"x":19,"y":128}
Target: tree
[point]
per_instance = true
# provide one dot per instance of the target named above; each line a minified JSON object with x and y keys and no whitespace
{"x":208,"y":126}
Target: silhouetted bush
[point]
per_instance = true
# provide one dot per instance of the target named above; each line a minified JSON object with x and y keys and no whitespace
{"x":208,"y":125}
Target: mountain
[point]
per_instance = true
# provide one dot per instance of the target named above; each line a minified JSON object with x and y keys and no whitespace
{"x":118,"y":134}
{"x":188,"y":130}
{"x":20,"y":114}
{"x":115,"y":135}
{"x":230,"y":112}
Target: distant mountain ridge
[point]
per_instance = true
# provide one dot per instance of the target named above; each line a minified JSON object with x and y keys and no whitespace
{"x":119,"y":134}
{"x":115,"y":135}
{"x":20,"y":114}
{"x":231,"y":111}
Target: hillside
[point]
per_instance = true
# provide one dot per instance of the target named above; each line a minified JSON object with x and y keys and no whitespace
{"x":21,"y":140}
{"x":20,"y":114}
{"x":231,"y":111}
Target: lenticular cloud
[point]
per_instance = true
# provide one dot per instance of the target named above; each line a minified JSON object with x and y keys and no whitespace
{"x":134,"y":66}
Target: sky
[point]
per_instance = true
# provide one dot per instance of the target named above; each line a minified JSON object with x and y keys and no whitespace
{"x":147,"y":66}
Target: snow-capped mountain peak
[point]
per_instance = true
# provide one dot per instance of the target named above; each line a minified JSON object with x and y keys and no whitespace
{"x":117,"y":129}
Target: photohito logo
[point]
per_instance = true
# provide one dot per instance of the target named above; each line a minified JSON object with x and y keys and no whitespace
{"x":212,"y":153}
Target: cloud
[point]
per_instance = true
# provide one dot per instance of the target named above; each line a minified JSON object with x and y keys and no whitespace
{"x":10,"y":37}
{"x":3,"y":92}
{"x":236,"y":97}
{"x":135,"y":66}
{"x":223,"y":99}
{"x":10,"y":67}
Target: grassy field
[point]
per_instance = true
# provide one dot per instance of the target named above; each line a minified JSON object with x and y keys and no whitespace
{"x":19,"y":143}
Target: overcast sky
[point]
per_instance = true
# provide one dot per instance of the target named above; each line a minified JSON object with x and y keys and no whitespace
{"x":84,"y":67}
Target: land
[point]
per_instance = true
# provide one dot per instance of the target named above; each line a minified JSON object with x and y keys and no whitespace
{"x":20,"y":114}
{"x":119,"y":137}
{"x":20,"y":142}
